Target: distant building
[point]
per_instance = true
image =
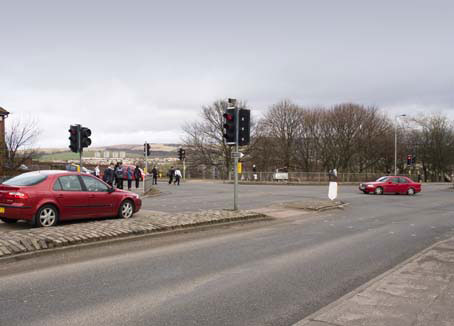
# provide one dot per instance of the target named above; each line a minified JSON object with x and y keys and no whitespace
{"x":106,"y":154}
{"x":122,"y":154}
{"x":3,"y":147}
{"x":97,"y":154}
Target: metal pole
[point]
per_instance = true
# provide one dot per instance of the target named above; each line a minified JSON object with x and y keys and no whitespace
{"x":146,"y":166}
{"x":235,"y":186}
{"x":395,"y":146}
{"x":184,"y":169}
{"x":80,"y":148}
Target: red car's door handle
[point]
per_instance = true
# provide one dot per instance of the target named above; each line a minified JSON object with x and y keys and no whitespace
{"x":60,"y":196}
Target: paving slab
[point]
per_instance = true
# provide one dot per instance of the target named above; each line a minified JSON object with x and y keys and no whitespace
{"x":17,"y":242}
{"x":418,"y":292}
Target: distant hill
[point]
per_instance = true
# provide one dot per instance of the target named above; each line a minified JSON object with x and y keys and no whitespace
{"x":131,"y":150}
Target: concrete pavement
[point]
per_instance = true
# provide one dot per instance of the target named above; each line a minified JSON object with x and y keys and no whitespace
{"x":418,"y":292}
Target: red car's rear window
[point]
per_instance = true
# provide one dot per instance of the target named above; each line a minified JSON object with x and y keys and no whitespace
{"x":26,"y":179}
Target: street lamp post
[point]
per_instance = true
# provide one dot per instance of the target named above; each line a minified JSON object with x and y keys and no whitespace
{"x":395,"y":142}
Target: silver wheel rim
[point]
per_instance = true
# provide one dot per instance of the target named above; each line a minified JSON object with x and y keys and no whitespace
{"x":411,"y":191}
{"x":378,"y":191}
{"x":47,"y":217}
{"x":126,"y":210}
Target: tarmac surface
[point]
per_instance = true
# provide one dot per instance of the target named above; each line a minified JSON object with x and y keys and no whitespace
{"x":266,"y":273}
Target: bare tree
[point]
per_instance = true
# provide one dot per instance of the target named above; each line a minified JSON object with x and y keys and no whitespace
{"x":20,"y":136}
{"x":434,"y":145}
{"x":281,"y":125}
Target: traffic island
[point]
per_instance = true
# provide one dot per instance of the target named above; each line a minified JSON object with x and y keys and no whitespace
{"x":33,"y":240}
{"x":315,"y":204}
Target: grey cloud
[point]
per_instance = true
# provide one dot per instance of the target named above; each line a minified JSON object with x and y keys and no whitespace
{"x":140,"y":69}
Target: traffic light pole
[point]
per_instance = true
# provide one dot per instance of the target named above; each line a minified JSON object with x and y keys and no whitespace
{"x":235,"y":185}
{"x":79,"y":144}
{"x":145,"y":152}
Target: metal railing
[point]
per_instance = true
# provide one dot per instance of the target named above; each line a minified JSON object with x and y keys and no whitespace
{"x":308,"y":177}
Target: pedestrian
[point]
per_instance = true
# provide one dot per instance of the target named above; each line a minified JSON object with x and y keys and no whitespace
{"x":137,"y":175}
{"x":129,"y":176}
{"x":154,"y":173}
{"x":97,"y":172}
{"x":254,"y":172}
{"x":177,"y":176}
{"x":109,"y":175}
{"x":171,"y":174}
{"x":419,"y":177}
{"x":119,"y":176}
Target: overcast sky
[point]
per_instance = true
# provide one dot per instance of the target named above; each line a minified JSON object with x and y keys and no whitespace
{"x":137,"y":70}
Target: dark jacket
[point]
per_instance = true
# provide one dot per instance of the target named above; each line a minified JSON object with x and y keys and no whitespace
{"x":137,"y":174}
{"x":108,"y":175}
{"x":154,"y":171}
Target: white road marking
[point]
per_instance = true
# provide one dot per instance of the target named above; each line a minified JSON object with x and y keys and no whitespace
{"x":413,"y":235}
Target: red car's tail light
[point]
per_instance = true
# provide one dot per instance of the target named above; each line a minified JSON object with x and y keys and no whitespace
{"x":16,"y":195}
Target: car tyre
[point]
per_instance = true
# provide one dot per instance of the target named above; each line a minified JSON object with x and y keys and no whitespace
{"x":8,"y":220}
{"x":379,"y":191}
{"x":47,"y":216}
{"x":126,"y":209}
{"x":411,"y":191}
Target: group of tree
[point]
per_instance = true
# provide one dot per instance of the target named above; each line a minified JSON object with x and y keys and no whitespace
{"x":350,"y":137}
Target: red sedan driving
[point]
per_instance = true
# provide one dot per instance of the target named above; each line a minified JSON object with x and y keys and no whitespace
{"x":392,"y":185}
{"x":47,"y":197}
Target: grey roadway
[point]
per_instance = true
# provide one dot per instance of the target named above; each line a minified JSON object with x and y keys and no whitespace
{"x":268,"y":273}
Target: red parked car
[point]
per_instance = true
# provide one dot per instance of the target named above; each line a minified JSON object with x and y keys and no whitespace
{"x":47,"y":197}
{"x":392,"y":185}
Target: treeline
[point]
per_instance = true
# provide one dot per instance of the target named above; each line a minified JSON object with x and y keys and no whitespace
{"x":349,"y":137}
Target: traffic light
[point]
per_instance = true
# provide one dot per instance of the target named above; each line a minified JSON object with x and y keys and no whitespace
{"x":146,"y":149}
{"x":245,"y":126}
{"x":409,"y":161}
{"x":74,"y":131}
{"x":85,"y":140}
{"x":181,"y":154}
{"x":229,"y":126}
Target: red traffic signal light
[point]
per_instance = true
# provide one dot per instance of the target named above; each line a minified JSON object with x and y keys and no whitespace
{"x":229,"y":126}
{"x":74,"y":138}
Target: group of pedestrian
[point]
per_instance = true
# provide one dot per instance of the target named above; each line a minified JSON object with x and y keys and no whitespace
{"x":174,"y":175}
{"x":115,"y":175}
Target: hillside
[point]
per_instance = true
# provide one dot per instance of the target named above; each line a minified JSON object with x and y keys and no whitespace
{"x":130,"y":150}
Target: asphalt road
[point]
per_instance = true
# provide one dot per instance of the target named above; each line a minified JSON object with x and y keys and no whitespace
{"x":193,"y":196}
{"x":272,"y":273}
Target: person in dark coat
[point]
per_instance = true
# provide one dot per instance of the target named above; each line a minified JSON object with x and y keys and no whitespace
{"x":171,"y":174}
{"x":137,"y":175}
{"x":119,"y":176}
{"x":109,"y":175}
{"x":154,"y":173}
{"x":129,"y":176}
